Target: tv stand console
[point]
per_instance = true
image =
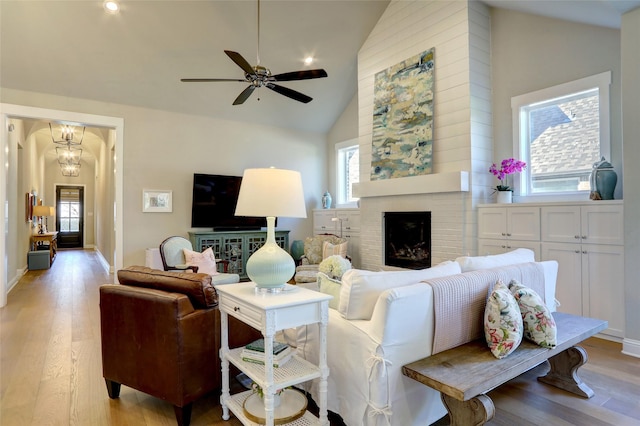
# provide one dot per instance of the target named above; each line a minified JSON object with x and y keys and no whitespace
{"x":235,"y":246}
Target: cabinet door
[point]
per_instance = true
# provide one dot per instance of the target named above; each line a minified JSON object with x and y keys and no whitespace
{"x":492,"y":222}
{"x":602,"y":225}
{"x":488,"y":246}
{"x":523,"y":223}
{"x":561,"y":224}
{"x":569,"y":290}
{"x":350,"y":220}
{"x":322,"y":223}
{"x":531,"y":245}
{"x":603,"y":280}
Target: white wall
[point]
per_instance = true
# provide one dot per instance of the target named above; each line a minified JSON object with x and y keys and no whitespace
{"x":345,"y":128}
{"x":631,"y":132}
{"x":532,"y":52}
{"x":162,"y":150}
{"x":460,"y":33}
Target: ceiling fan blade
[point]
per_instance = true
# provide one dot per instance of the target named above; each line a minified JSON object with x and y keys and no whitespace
{"x":244,"y":95}
{"x":240,"y":61}
{"x":300,"y":75}
{"x":290,"y":93}
{"x":204,"y":80}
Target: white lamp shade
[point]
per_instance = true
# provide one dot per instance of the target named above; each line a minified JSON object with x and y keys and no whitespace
{"x":271,"y":193}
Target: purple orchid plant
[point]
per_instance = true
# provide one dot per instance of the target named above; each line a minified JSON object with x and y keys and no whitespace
{"x":507,"y":167}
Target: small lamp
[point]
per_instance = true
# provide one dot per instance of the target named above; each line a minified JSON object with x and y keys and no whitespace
{"x":271,"y":193}
{"x":40,"y":211}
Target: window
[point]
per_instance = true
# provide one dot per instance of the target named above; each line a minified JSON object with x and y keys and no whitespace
{"x":348,"y":171}
{"x":560,"y":132}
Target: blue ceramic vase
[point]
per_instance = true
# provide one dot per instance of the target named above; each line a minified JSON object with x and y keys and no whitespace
{"x":603,"y":180}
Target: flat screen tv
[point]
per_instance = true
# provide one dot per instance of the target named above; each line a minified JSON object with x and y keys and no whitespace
{"x":214,"y":204}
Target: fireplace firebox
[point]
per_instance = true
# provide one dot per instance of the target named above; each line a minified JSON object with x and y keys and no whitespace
{"x":407,"y":239}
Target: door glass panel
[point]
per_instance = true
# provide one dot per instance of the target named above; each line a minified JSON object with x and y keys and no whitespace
{"x":74,"y":209}
{"x":64,"y":225}
{"x":64,"y":210}
{"x":74,"y":225}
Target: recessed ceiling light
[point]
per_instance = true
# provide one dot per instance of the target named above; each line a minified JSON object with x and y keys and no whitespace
{"x":308,"y":60}
{"x":111,"y":6}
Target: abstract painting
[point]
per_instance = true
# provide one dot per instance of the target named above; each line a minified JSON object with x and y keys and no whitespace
{"x":402,"y":143}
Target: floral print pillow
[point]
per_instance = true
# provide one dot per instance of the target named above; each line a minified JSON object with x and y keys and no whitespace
{"x":539,"y":325}
{"x":503,"y":327}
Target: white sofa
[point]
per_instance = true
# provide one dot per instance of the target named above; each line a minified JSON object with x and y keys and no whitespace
{"x":386,"y":320}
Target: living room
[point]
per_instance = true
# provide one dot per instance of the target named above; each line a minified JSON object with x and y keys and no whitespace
{"x":493,"y":53}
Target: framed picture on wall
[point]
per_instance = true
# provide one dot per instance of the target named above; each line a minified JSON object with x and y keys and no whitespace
{"x":157,"y":201}
{"x":28,"y":206}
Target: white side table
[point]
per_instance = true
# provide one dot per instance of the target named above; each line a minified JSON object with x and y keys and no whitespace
{"x":270,"y":313}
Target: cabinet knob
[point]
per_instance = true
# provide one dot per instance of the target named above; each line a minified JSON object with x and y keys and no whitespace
{"x":236,"y":308}
{"x":503,"y":246}
{"x":504,"y":235}
{"x":584,"y":237}
{"x":584,"y":252}
{"x":577,"y":237}
{"x":577,"y":251}
{"x":508,"y":234}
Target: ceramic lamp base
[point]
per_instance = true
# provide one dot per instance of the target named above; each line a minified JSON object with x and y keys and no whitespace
{"x":270,"y":267}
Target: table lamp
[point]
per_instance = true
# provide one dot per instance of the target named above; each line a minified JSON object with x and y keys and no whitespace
{"x":40,"y":211}
{"x":271,"y":193}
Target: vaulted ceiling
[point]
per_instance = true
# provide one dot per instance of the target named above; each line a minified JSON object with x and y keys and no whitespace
{"x":138,"y":56}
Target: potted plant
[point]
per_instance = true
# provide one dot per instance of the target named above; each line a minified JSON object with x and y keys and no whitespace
{"x":508,"y":166}
{"x":276,"y":396}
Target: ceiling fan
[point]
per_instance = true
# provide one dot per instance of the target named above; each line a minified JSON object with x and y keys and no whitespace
{"x":259,"y":76}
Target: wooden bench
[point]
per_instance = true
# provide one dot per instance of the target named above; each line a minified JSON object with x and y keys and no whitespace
{"x":464,"y":374}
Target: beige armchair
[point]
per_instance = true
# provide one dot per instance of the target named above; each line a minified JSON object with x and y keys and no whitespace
{"x":316,"y":249}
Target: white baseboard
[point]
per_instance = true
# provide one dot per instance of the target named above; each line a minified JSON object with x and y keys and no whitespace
{"x":19,"y":273}
{"x":105,"y":264}
{"x":631,"y":347}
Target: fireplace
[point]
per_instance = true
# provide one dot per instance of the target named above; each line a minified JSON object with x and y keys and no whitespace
{"x":407,"y":239}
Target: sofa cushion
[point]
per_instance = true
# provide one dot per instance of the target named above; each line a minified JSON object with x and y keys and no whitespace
{"x":360,"y":288}
{"x":313,"y":247}
{"x":503,"y":327}
{"x":196,"y":286}
{"x":330,"y":286}
{"x":330,"y":249}
{"x":474,"y":263}
{"x":539,"y":325}
{"x":205,"y":261}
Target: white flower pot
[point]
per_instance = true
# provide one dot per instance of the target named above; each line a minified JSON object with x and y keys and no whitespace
{"x":504,"y":197}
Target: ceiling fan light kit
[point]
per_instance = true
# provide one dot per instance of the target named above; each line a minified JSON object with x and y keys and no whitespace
{"x":260,"y":76}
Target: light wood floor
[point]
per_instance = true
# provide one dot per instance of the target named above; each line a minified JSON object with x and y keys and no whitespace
{"x":51,"y":372}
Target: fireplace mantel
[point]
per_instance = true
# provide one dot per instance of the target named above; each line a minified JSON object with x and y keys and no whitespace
{"x":425,"y":184}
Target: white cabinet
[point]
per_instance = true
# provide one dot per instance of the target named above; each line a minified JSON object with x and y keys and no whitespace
{"x":583,"y":224}
{"x":343,"y":223}
{"x":270,"y":313}
{"x":588,"y":243}
{"x":502,"y":229}
{"x":323,"y":223}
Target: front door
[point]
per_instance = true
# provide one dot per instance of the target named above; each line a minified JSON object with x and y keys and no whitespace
{"x":69,"y":216}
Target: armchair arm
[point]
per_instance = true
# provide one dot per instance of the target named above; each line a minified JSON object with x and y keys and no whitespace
{"x":183,"y":268}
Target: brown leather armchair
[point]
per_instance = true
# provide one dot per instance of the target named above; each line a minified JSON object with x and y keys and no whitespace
{"x":161,"y":335}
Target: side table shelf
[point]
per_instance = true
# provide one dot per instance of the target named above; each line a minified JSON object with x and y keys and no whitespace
{"x":270,"y":313}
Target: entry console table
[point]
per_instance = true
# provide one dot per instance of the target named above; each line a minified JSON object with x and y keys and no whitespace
{"x":235,"y":246}
{"x":49,"y":238}
{"x":270,"y":313}
{"x":466,"y":373}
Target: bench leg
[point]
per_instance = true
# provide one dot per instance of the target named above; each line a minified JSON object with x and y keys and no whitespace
{"x":564,"y":372}
{"x":474,"y":412}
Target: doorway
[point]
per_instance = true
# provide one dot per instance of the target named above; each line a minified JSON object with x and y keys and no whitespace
{"x":70,"y":216}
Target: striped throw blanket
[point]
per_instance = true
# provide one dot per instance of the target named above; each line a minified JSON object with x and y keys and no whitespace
{"x":459,"y":301}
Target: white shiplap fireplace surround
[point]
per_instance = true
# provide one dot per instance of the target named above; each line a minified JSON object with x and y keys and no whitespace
{"x":462,"y":126}
{"x":445,"y":195}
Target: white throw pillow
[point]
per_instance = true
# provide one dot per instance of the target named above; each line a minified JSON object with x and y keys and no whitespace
{"x":474,"y":263}
{"x":329,"y":249}
{"x":205,"y":261}
{"x":360,"y":289}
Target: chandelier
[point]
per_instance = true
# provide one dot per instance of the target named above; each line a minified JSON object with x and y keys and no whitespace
{"x":71,"y":170}
{"x":67,"y":135}
{"x":68,"y":152}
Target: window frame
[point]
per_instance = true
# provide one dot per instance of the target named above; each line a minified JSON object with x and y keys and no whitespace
{"x":341,"y":194}
{"x":522,"y":181}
